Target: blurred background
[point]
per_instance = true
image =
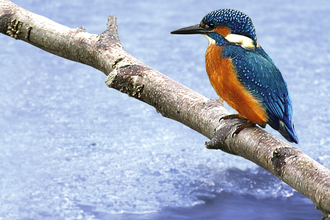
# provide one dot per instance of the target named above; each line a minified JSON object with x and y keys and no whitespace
{"x":71,"y":148}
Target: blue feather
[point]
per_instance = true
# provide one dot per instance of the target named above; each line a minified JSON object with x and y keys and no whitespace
{"x":258,"y":73}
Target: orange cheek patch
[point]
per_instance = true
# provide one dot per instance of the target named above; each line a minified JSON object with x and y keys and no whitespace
{"x":222,"y":30}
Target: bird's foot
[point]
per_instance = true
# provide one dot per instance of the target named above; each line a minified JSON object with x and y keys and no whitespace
{"x":240,"y":127}
{"x":231,"y":117}
{"x":218,"y":141}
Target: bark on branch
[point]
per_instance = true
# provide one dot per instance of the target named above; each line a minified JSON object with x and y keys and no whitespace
{"x":173,"y":100}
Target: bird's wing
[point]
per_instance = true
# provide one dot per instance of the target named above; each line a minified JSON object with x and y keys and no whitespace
{"x":257,"y":72}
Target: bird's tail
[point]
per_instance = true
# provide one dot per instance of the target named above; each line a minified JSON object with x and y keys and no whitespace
{"x":287,"y":131}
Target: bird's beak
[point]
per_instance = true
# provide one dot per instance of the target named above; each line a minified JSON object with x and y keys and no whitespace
{"x":194,"y":29}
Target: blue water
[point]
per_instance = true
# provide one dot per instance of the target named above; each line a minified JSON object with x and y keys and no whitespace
{"x":71,"y":148}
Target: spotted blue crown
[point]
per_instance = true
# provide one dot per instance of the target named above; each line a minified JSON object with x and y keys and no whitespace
{"x":238,"y":22}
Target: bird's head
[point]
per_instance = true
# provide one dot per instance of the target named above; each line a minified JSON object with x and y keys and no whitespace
{"x":225,"y":26}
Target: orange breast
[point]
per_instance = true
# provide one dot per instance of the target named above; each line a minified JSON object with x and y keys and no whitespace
{"x":224,"y":80}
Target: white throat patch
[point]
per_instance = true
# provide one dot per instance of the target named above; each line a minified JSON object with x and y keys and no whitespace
{"x":241,"y":40}
{"x":211,"y":41}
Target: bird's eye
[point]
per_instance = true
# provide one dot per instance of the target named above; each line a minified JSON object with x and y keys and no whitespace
{"x":211,"y":25}
{"x":206,"y":26}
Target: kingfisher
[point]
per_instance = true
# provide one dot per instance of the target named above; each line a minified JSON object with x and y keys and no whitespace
{"x":242,"y":73}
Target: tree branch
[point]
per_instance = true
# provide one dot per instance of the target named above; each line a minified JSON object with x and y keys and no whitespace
{"x":173,"y":100}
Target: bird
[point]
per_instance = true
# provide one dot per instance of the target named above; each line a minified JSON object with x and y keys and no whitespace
{"x":242,"y":73}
